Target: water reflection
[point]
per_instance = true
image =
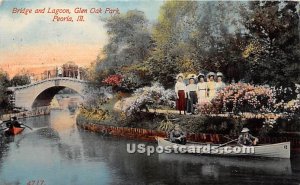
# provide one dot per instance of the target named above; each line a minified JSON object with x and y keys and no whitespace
{"x":62,"y":121}
{"x":267,"y":166}
{"x":58,"y":153}
{"x":183,"y":169}
{"x":53,"y":154}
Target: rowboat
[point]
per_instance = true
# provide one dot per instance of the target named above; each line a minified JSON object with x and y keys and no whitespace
{"x":15,"y":130}
{"x":278,"y":150}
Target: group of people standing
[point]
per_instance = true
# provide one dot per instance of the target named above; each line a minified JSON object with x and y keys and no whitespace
{"x":200,"y":89}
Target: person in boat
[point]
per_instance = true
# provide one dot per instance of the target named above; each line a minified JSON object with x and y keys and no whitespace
{"x":14,"y":122}
{"x":180,"y":89}
{"x":247,"y":139}
{"x":191,"y":94}
{"x":177,"y":135}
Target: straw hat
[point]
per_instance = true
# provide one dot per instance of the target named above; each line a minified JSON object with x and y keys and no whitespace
{"x":210,"y":74}
{"x":201,"y":75}
{"x":219,"y":74}
{"x":245,"y":130}
{"x":179,"y":75}
{"x":192,"y":76}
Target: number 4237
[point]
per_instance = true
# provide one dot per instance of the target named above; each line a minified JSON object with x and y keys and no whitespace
{"x":36,"y":182}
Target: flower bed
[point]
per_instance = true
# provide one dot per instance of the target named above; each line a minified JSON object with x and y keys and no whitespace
{"x":241,"y":97}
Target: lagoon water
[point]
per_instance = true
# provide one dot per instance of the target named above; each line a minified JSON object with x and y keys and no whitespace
{"x":55,"y":152}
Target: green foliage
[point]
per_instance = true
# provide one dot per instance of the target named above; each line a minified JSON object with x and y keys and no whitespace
{"x":94,"y":114}
{"x":274,"y":34}
{"x":166,"y":125}
{"x":171,"y":41}
{"x":194,"y":36}
{"x":129,"y":40}
{"x":258,"y":43}
{"x":4,"y":80}
{"x":163,"y":70}
{"x":128,"y":47}
{"x":4,"y":83}
{"x":20,"y":79}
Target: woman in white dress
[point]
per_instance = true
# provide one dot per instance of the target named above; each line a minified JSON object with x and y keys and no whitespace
{"x":201,"y":89}
{"x":220,"y":84}
{"x":211,"y":85}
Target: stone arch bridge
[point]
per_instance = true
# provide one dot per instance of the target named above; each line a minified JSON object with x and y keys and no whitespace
{"x":41,"y":93}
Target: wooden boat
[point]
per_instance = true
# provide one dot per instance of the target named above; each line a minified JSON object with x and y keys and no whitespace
{"x":15,"y":130}
{"x":278,"y":150}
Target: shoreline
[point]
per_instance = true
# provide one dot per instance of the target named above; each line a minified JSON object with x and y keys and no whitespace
{"x":148,"y":135}
{"x":40,"y":111}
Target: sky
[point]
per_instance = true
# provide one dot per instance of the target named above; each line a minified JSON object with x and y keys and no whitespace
{"x":34,"y":42}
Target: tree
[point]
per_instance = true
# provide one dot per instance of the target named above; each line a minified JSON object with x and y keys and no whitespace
{"x":129,"y":40}
{"x":4,"y":83}
{"x":219,"y":39}
{"x":20,"y":79}
{"x":171,"y":34}
{"x":198,"y":36}
{"x":273,"y":51}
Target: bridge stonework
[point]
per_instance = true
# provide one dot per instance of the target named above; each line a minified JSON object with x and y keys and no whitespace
{"x":41,"y":93}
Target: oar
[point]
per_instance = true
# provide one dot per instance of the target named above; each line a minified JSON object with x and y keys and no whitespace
{"x":227,"y":137}
{"x":1,"y":122}
{"x":227,"y":143}
{"x":27,"y":126}
{"x":3,"y":129}
{"x":231,"y":139}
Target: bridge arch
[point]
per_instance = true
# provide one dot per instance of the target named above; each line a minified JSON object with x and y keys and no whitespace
{"x":42,"y":92}
{"x":46,"y":96}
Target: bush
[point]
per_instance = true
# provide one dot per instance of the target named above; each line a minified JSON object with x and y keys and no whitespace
{"x":95,"y":114}
{"x":241,"y":97}
{"x":153,"y":96}
{"x":20,"y":79}
{"x":113,"y":80}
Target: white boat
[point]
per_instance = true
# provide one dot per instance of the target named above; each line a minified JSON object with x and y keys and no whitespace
{"x":278,"y":150}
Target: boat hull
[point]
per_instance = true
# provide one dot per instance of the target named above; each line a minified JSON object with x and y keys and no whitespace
{"x":16,"y":130}
{"x":278,"y":150}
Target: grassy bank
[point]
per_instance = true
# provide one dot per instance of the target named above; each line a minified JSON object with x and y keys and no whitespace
{"x":190,"y":123}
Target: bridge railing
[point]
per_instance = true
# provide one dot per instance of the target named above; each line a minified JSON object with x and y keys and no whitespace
{"x":46,"y":80}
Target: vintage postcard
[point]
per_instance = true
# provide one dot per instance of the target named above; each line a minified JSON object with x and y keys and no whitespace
{"x":153,"y":92}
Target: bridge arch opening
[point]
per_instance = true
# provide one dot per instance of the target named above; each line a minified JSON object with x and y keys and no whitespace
{"x":45,"y":97}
